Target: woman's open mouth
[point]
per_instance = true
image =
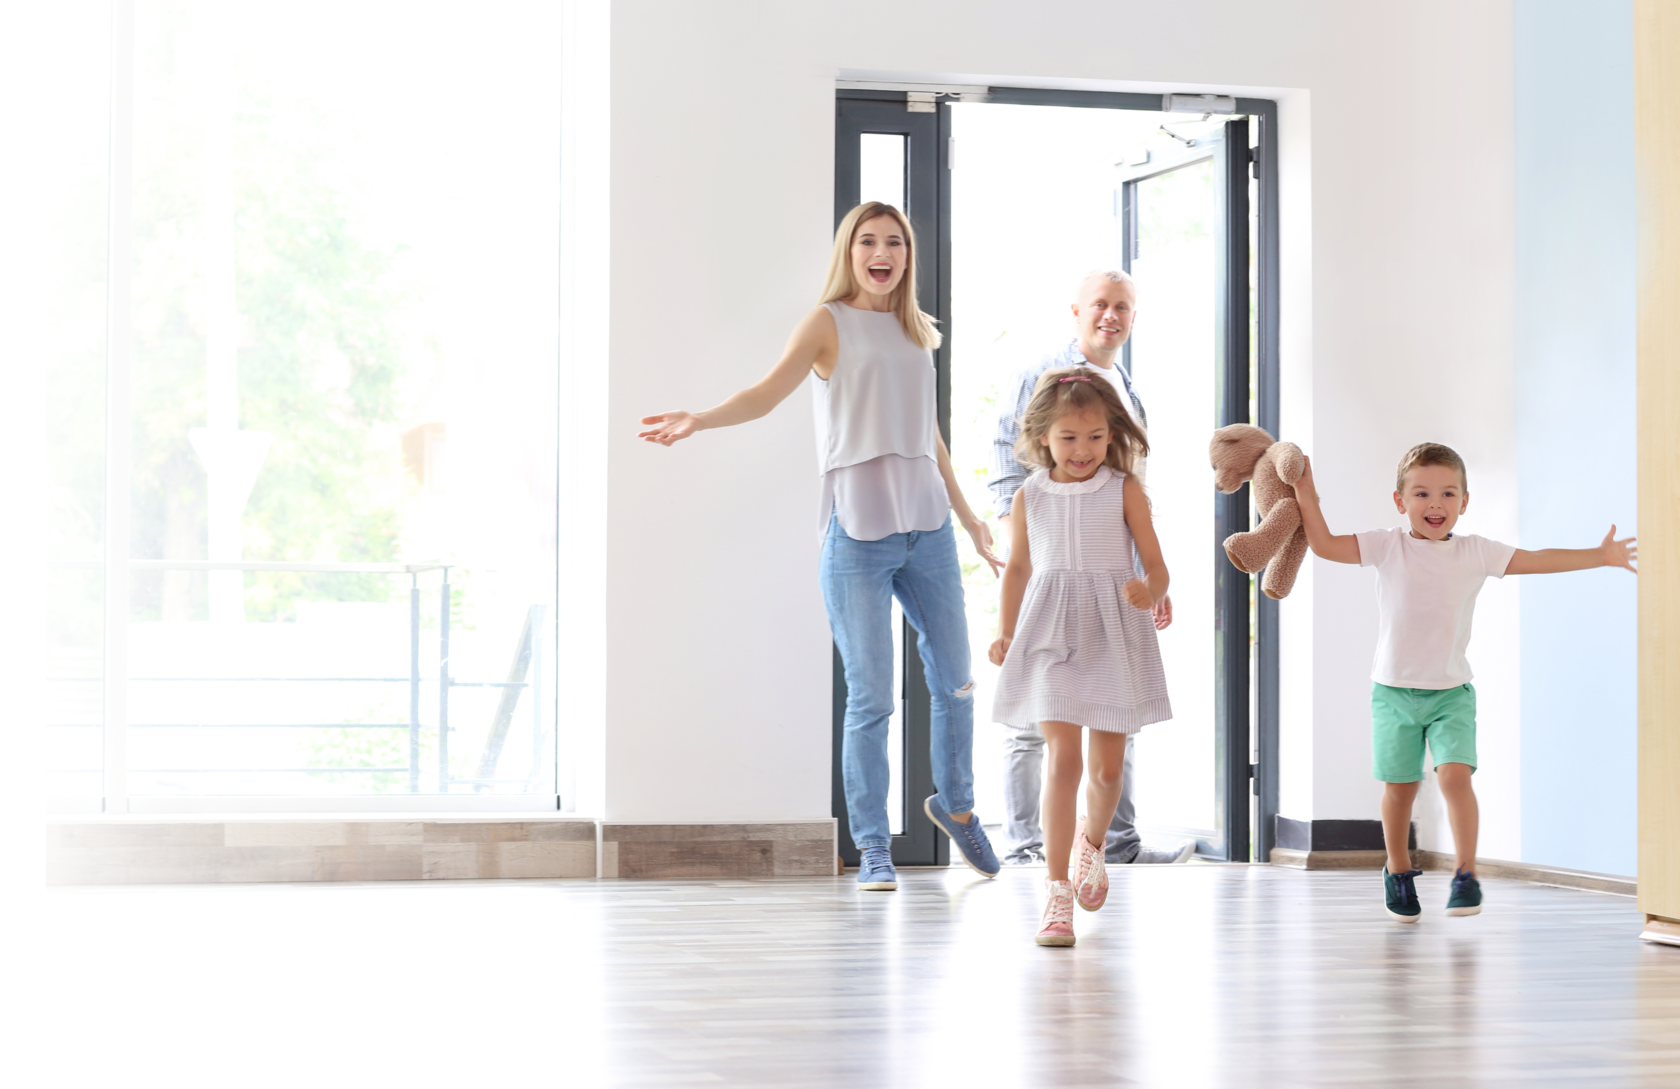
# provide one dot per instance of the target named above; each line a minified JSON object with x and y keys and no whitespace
{"x":880,"y":273}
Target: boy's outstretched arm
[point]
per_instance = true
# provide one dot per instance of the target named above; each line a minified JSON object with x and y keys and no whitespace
{"x":1547,"y":561}
{"x":1325,"y":545}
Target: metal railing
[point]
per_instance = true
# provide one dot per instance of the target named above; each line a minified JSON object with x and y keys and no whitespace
{"x":528,"y":660}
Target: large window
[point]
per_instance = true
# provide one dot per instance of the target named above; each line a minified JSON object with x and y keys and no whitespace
{"x":333,"y":274}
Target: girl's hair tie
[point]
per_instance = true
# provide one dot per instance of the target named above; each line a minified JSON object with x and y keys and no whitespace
{"x":1074,"y":378}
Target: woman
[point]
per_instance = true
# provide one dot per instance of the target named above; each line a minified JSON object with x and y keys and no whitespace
{"x":888,"y":492}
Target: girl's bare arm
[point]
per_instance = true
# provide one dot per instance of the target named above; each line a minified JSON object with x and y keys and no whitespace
{"x":1153,"y":586}
{"x":1015,"y":577}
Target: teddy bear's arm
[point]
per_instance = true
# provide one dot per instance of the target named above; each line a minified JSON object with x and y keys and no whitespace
{"x":1289,"y":461}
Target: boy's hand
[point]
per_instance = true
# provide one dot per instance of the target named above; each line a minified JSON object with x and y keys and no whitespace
{"x":1304,"y":486}
{"x":1000,"y":648}
{"x":1620,"y":553}
{"x":1136,"y":593}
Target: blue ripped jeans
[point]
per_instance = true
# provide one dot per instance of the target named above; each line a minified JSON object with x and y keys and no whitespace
{"x":859,"y":580}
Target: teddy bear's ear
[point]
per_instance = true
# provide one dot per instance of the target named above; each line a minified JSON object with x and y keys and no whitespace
{"x":1234,"y":451}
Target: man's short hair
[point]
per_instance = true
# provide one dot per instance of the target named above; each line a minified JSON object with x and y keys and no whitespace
{"x":1430,"y":453}
{"x":1112,"y":275}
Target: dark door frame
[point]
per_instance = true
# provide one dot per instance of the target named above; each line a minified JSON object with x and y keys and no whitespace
{"x":858,"y":111}
{"x":927,"y":200}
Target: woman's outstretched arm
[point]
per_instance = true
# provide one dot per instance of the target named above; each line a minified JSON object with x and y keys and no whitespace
{"x":814,"y":345}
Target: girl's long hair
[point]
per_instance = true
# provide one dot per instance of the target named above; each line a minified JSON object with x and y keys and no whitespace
{"x":1062,"y":390}
{"x":918,"y":327}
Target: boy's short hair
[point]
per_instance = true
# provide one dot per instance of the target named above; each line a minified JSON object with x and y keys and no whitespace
{"x":1430,"y":453}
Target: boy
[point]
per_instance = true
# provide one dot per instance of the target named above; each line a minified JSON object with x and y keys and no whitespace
{"x":1427,"y":581}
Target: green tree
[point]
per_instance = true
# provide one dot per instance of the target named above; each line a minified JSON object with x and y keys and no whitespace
{"x":319,"y":358}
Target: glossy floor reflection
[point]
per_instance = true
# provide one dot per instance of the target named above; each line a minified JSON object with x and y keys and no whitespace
{"x":1191,"y":976}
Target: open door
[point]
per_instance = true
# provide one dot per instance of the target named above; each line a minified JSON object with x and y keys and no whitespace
{"x":1191,"y":221}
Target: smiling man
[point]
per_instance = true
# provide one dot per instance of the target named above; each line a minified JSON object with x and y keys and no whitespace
{"x":1104,"y":308}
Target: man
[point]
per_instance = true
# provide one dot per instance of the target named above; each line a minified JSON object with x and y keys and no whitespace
{"x":1104,"y":308}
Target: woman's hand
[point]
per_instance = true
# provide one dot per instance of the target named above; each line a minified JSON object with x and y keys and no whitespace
{"x":1136,"y":593}
{"x":982,"y":535}
{"x":1163,"y":612}
{"x":671,"y":427}
{"x":1000,"y":649}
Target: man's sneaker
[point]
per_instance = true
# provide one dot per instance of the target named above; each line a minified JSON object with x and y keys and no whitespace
{"x":970,"y":838}
{"x":1090,"y":876}
{"x":1402,"y":894}
{"x":1167,"y":856}
{"x":1466,"y":898}
{"x":1056,"y":928}
{"x":875,"y":872}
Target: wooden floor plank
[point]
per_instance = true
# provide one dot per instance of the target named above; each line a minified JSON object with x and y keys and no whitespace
{"x":1219,"y":976}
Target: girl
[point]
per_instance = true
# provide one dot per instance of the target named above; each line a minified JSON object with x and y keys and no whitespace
{"x":888,"y":492}
{"x":1077,"y":643}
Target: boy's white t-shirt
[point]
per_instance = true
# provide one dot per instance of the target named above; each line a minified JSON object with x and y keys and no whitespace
{"x":1426,"y":597}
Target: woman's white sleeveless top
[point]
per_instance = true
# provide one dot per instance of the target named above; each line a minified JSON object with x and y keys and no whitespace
{"x":875,"y":436}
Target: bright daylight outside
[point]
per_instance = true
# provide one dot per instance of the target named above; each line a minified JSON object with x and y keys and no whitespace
{"x":1036,"y":203}
{"x":340,"y":423}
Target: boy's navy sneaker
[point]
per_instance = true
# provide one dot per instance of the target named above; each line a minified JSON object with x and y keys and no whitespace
{"x":1402,"y":894}
{"x":1466,"y":897}
{"x":875,"y":871}
{"x":970,"y":838}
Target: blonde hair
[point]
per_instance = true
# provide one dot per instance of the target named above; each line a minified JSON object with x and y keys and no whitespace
{"x":1430,"y":453}
{"x":1062,"y":390}
{"x":918,"y":327}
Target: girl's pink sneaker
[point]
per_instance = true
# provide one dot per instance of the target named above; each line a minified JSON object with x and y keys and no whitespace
{"x":1090,"y":875}
{"x":1057,"y":925}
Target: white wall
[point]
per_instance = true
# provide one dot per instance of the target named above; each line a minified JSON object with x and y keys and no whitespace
{"x":1397,"y":300}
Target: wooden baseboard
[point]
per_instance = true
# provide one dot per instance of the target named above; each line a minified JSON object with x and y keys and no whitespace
{"x":178,"y":850}
{"x":1438,"y":860}
{"x":1540,"y":875}
{"x":675,"y":851}
{"x":1329,"y":860}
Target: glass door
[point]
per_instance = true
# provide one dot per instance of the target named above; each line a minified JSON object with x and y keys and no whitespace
{"x":1015,"y":195}
{"x":1184,"y":235}
{"x":885,"y":152}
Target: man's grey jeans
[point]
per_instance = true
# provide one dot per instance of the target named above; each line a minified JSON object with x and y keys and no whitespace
{"x":1023,"y":779}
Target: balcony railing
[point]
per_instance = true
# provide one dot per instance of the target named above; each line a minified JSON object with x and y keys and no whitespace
{"x":527,"y":663}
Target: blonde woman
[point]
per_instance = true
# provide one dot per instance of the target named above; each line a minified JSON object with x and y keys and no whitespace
{"x":888,"y":493}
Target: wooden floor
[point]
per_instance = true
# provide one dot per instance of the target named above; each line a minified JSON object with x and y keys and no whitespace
{"x":1219,"y":976}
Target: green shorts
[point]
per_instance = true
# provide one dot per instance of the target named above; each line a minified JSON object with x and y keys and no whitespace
{"x":1402,"y":719}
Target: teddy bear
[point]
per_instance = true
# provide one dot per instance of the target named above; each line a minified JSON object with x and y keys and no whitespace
{"x":1242,"y":452}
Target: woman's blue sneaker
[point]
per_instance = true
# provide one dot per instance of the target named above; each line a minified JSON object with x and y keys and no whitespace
{"x":970,"y":838}
{"x":876,"y":873}
{"x":1402,"y":894}
{"x":1466,"y":896}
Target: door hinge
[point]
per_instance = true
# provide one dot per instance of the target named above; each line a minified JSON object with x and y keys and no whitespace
{"x":921,"y":102}
{"x":1254,"y":779}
